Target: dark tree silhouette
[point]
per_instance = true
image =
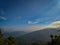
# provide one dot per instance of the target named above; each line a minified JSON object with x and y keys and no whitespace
{"x":35,"y":43}
{"x":55,"y":40}
{"x":5,"y":42}
{"x":1,"y":38}
{"x":11,"y":40}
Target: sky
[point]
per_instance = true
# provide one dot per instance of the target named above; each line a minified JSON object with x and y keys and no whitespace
{"x":29,"y":15}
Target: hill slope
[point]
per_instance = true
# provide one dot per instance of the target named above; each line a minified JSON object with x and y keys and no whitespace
{"x":41,"y":35}
{"x":14,"y":33}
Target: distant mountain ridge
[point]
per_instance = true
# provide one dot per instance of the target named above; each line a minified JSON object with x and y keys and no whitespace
{"x":40,"y":35}
{"x":14,"y":33}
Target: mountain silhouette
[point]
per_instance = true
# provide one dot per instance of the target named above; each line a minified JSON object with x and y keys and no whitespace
{"x":40,"y":35}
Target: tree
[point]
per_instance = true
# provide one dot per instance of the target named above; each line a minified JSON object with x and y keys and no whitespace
{"x":5,"y":42}
{"x":8,"y":41}
{"x":35,"y":43}
{"x":51,"y":36}
{"x":11,"y":40}
{"x":1,"y":38}
{"x":55,"y":40}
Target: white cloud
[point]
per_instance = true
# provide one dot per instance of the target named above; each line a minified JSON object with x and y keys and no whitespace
{"x":31,"y":22}
{"x":46,"y":20}
{"x":36,"y":27}
{"x":55,"y":24}
{"x":4,"y":18}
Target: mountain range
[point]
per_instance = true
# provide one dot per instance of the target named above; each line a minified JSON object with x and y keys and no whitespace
{"x":36,"y":36}
{"x":39,"y":36}
{"x":13,"y":33}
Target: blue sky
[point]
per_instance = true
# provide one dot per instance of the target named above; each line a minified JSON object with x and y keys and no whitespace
{"x":24,"y":13}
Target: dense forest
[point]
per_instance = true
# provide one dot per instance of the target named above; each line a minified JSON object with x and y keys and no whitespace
{"x":10,"y":40}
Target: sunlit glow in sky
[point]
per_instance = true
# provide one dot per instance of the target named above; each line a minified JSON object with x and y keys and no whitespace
{"x":28,"y":15}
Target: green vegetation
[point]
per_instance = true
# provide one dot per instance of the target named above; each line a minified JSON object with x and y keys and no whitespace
{"x":55,"y":40}
{"x":8,"y":41}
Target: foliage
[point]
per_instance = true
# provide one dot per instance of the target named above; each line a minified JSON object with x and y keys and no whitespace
{"x":8,"y":41}
{"x":35,"y":43}
{"x":55,"y":40}
{"x":1,"y":38}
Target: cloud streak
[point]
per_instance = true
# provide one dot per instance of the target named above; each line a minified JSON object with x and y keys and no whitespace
{"x":46,"y":20}
{"x":3,"y":18}
{"x":31,"y":22}
{"x":55,"y":24}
